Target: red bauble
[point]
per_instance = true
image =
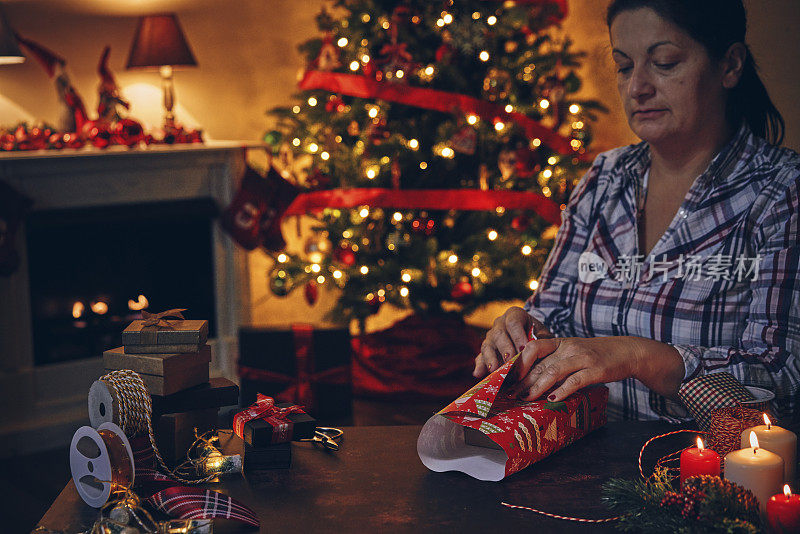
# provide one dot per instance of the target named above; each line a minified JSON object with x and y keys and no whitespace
{"x":311,"y":292}
{"x":423,"y":225}
{"x":345,"y":256}
{"x":520,"y":223}
{"x":462,"y":291}
{"x":128,"y":132}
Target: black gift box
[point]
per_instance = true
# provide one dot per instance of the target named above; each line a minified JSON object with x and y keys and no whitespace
{"x":320,"y":382}
{"x":278,"y":456}
{"x":258,"y":432}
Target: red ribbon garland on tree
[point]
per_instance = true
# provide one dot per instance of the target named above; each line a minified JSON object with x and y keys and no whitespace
{"x":430,"y":199}
{"x":431,"y":99}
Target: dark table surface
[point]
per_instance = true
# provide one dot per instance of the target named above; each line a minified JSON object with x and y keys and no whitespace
{"x":376,"y":483}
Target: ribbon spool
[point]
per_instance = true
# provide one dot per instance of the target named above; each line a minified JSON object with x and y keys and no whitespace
{"x":101,"y":461}
{"x":103,"y":404}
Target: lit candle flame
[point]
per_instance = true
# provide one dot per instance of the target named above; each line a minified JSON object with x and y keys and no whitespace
{"x":700,"y":443}
{"x":139,"y":304}
{"x":77,"y":309}
{"x":753,"y":441}
{"x":787,"y":490}
{"x":99,"y":307}
{"x":767,"y":422}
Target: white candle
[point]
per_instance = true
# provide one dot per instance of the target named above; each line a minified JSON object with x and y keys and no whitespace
{"x":755,"y":469}
{"x":778,"y":440}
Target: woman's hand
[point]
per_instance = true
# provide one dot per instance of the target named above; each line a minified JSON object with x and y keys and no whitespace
{"x":508,"y":336}
{"x":574,"y":363}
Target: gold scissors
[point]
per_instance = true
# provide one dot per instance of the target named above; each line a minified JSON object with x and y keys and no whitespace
{"x":326,"y":436}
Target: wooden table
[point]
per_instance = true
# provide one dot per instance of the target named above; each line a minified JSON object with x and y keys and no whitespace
{"x":376,"y":483}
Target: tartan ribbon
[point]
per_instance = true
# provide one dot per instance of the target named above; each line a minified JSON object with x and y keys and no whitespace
{"x":186,"y":502}
{"x":706,"y":393}
{"x":265,"y":408}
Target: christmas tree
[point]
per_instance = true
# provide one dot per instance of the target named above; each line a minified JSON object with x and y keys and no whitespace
{"x":437,"y":143}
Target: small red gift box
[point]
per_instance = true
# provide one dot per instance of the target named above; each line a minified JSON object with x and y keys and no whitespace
{"x":489,"y":434}
{"x":266,"y":423}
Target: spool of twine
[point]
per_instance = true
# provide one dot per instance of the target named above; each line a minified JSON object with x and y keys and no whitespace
{"x":727,"y":425}
{"x":134,"y":413}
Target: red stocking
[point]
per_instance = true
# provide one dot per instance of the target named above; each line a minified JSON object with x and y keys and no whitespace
{"x":12,"y":208}
{"x":254,"y":216}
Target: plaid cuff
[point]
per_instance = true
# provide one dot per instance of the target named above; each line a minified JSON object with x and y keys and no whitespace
{"x":692,"y":358}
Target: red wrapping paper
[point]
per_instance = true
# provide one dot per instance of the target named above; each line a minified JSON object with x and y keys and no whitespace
{"x":264,"y":408}
{"x":525,"y":432}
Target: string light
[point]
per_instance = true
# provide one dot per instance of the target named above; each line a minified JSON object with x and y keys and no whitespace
{"x":385,"y":160}
{"x":312,"y":101}
{"x":296,"y":141}
{"x":448,"y":152}
{"x":342,"y":42}
{"x":429,"y":70}
{"x":413,"y":144}
{"x":364,"y":212}
{"x":575,"y":144}
{"x":499,"y":125}
{"x":574,"y":108}
{"x":371,"y":173}
{"x":296,"y":109}
{"x":423,"y":165}
{"x":399,"y":73}
{"x":452,"y":259}
{"x":476,"y":15}
{"x":385,"y":25}
{"x":347,"y":234}
{"x":526,"y":250}
{"x":354,"y":66}
{"x":403,"y":291}
{"x":337,"y":274}
{"x":552,"y":160}
{"x":544,"y":103}
{"x":283,"y":258}
{"x":338,"y":138}
{"x":547,"y":173}
{"x":491,"y":21}
{"x":533,"y":285}
{"x":492,"y":235}
{"x":472,"y":119}
{"x":546,"y":191}
{"x":315,"y":267}
{"x":365,"y":58}
{"x":405,"y":277}
{"x":381,"y":292}
{"x":313,"y":147}
{"x":325,"y":156}
{"x":447,"y":18}
{"x":440,"y":23}
{"x":397,"y":216}
{"x":320,"y":279}
{"x":484,"y":55}
{"x":535,"y":142}
{"x":577,"y":125}
{"x":364,"y":269}
{"x":509,"y":108}
{"x":373,"y":112}
{"x":500,"y":210}
{"x":476,"y":272}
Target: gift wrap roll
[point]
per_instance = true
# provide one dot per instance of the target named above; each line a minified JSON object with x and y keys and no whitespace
{"x":103,"y":404}
{"x":100,"y":461}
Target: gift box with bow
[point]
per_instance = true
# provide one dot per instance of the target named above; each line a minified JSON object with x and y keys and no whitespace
{"x":489,"y":434}
{"x":267,"y":423}
{"x":304,"y":365}
{"x":164,"y":332}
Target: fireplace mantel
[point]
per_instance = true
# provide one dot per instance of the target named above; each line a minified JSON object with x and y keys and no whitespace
{"x":46,"y":403}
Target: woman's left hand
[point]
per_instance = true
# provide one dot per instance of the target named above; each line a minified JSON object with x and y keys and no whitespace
{"x":575,"y":363}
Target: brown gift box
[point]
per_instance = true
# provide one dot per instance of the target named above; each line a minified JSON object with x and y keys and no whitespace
{"x":182,"y":336}
{"x":175,"y":432}
{"x":156,"y":364}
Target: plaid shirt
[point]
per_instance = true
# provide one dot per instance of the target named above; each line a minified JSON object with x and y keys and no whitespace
{"x":722,"y":285}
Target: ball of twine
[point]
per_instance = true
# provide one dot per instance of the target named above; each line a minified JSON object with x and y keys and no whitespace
{"x":727,"y":425}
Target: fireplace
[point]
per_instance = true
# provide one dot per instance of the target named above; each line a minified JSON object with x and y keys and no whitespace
{"x":99,"y":243}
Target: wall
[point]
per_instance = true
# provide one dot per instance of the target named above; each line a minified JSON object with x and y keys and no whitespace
{"x":246,"y":50}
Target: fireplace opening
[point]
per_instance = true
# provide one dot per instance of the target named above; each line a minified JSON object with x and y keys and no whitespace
{"x":92,"y":271}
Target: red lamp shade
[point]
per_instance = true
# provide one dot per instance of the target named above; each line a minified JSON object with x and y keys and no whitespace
{"x":159,"y":41}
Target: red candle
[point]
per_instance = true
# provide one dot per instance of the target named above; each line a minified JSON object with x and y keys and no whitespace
{"x":783,"y":512}
{"x":698,"y":461}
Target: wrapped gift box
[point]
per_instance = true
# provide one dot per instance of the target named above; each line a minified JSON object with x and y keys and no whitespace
{"x":163,"y":374}
{"x":490,"y":434}
{"x":175,"y":432}
{"x":278,"y":456}
{"x":181,"y":336}
{"x":215,"y":393}
{"x":266,"y":423}
{"x":304,"y":365}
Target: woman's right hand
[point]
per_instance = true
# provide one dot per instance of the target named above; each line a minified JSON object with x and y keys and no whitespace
{"x":508,"y":336}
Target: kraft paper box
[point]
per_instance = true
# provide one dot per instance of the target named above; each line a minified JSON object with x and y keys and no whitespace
{"x":182,"y":336}
{"x":489,"y":435}
{"x":156,"y":364}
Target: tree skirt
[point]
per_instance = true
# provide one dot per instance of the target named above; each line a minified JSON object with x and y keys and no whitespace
{"x":418,"y":357}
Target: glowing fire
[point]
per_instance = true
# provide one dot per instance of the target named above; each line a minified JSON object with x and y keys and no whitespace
{"x":99,"y":307}
{"x":77,"y":309}
{"x":139,"y":304}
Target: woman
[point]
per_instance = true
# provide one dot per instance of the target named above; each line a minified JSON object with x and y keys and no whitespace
{"x":678,"y":256}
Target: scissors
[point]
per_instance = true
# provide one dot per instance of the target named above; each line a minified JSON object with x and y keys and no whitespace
{"x":326,"y":436}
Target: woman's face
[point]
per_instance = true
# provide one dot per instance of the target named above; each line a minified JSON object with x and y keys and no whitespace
{"x":670,"y":88}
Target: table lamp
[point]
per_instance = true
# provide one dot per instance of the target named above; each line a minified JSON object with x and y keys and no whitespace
{"x":9,"y":49}
{"x":159,"y":42}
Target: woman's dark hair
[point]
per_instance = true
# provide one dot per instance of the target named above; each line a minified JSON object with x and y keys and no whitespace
{"x":717,"y":24}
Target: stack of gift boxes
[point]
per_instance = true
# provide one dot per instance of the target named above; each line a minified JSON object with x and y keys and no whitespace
{"x":173,"y":362}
